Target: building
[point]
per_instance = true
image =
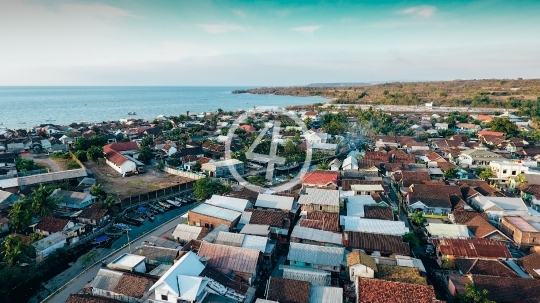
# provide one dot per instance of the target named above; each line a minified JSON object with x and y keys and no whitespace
{"x":350,"y":163}
{"x":325,"y":294}
{"x":325,"y":148}
{"x":73,"y":199}
{"x":266,"y":201}
{"x":442,"y":230}
{"x":155,"y":255}
{"x":374,"y":226}
{"x":231,"y":203}
{"x":383,"y":244}
{"x":222,"y":168}
{"x":505,"y":170}
{"x":287,"y":291}
{"x":470,"y":248}
{"x":128,"y":262}
{"x":242,"y":261}
{"x":210,"y":216}
{"x":49,"y":225}
{"x":522,"y":232}
{"x":120,"y":286}
{"x":477,"y":157}
{"x":118,"y":161}
{"x":48,"y":245}
{"x":184,"y":233}
{"x":433,"y":200}
{"x":315,"y":256}
{"x":94,"y":215}
{"x":320,"y":200}
{"x":497,"y":207}
{"x":361,"y":265}
{"x":315,"y":236}
{"x":381,"y":291}
{"x":367,"y":189}
{"x":320,"y":179}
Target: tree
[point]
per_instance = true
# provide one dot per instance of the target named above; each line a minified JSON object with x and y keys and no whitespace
{"x":168,"y":125}
{"x":147,"y":141}
{"x":25,"y":164}
{"x":486,"y":174}
{"x":81,"y":155}
{"x":94,"y":153}
{"x":97,"y":190}
{"x":289,"y":147}
{"x":450,"y":173}
{"x":97,"y":141}
{"x":108,"y":203}
{"x":418,"y":218}
{"x":20,"y":216}
{"x":257,"y":180}
{"x":145,"y":154}
{"x":308,"y":122}
{"x":89,"y":257}
{"x":474,"y":295}
{"x":81,"y":144}
{"x":41,"y":201}
{"x":411,"y":238}
{"x":15,"y":250}
{"x":204,"y":188}
{"x":503,"y":125}
{"x":196,"y":166}
{"x":323,"y":165}
{"x":240,"y":156}
{"x":224,"y":131}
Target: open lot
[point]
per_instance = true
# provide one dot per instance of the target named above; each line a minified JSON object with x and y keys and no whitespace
{"x":152,"y":179}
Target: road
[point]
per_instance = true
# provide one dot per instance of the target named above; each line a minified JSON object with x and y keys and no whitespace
{"x":44,"y":160}
{"x":77,"y":284}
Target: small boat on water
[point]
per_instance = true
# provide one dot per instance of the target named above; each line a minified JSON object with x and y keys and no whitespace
{"x":164,"y":205}
{"x":113,"y":232}
{"x":103,"y":241}
{"x":156,"y":208}
{"x":174,"y":203}
{"x":122,"y":226}
{"x":132,"y":113}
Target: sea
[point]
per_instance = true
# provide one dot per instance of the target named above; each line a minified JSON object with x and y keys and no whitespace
{"x":24,"y":107}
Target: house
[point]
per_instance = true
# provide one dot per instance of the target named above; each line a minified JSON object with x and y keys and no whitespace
{"x":155,"y":255}
{"x":481,"y":228}
{"x":73,"y":199}
{"x":120,"y":285}
{"x":169,"y":149}
{"x":49,"y":244}
{"x":184,"y":233}
{"x":313,"y":236}
{"x":277,"y":223}
{"x":441,"y":126}
{"x":447,"y":230}
{"x":315,"y":256}
{"x":209,"y":216}
{"x":377,"y":211}
{"x":367,"y":189}
{"x":266,"y":201}
{"x":350,"y":163}
{"x":182,"y":283}
{"x":452,"y":248}
{"x":49,"y":225}
{"x":522,"y":232}
{"x":286,"y":291}
{"x":396,"y":273}
{"x":505,"y":170}
{"x":316,"y":199}
{"x":497,"y":207}
{"x":334,"y":165}
{"x":360,"y":265}
{"x":432,"y":200}
{"x":7,"y":198}
{"x":355,"y":205}
{"x":320,"y":179}
{"x":314,"y":137}
{"x":222,"y":168}
{"x":407,"y":178}
{"x":485,"y":267}
{"x":325,"y":294}
{"x":242,"y":261}
{"x":129,"y":263}
{"x":118,"y":161}
{"x":94,"y":215}
{"x":374,"y":226}
{"x":325,"y":148}
{"x":467,"y":127}
{"x":531,"y":264}
{"x":477,"y":157}
{"x":381,"y":291}
{"x":86,"y":298}
{"x":231,"y":203}
{"x":499,"y":289}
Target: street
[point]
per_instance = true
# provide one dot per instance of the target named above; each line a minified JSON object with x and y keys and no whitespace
{"x":75,"y":285}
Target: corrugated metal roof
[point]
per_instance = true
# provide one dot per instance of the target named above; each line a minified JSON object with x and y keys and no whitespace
{"x":106,"y":279}
{"x":160,"y":270}
{"x":448,"y":230}
{"x":256,"y":229}
{"x":314,"y":254}
{"x":216,"y":212}
{"x":314,"y":276}
{"x":273,"y":201}
{"x":189,"y":265}
{"x":230,"y":257}
{"x":50,"y":177}
{"x":316,"y":235}
{"x":255,"y":242}
{"x":49,"y":241}
{"x":521,"y":224}
{"x":355,"y":205}
{"x":9,"y":183}
{"x":228,"y":238}
{"x":367,"y":187}
{"x":231,"y":203}
{"x":320,"y":196}
{"x":186,"y":233}
{"x":375,"y":226}
{"x":246,"y":217}
{"x":211,"y":236}
{"x":325,"y":294}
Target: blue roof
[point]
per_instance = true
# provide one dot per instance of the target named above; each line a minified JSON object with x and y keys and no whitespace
{"x":102,"y":238}
{"x":142,"y":209}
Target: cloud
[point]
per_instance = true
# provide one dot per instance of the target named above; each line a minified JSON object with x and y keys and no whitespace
{"x":283,"y":13}
{"x":221,"y":28}
{"x":239,"y":13}
{"x":103,"y":11}
{"x":309,"y":30}
{"x":425,"y":11}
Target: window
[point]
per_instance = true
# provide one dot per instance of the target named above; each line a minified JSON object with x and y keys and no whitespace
{"x":504,"y":171}
{"x":514,"y":173}
{"x":308,"y":264}
{"x":164,"y":297}
{"x":534,"y":239}
{"x":206,"y":225}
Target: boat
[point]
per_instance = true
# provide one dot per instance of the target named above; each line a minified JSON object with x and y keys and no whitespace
{"x":112,"y":231}
{"x":157,"y":208}
{"x":103,"y":241}
{"x":143,"y":211}
{"x":164,"y":205}
{"x":50,"y":120}
{"x":122,"y":226}
{"x":173,"y":203}
{"x":132,"y":113}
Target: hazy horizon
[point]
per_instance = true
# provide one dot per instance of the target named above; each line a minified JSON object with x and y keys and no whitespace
{"x":279,"y":43}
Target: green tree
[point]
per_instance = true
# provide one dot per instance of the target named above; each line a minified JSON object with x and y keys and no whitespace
{"x":418,"y":218}
{"x":224,"y":131}
{"x":257,"y":180}
{"x":289,"y":147}
{"x":41,"y":202}
{"x":90,"y":256}
{"x":450,"y":173}
{"x":503,"y":125}
{"x":147,"y":141}
{"x":23,"y":165}
{"x":308,"y":122}
{"x":94,"y":153}
{"x":411,"y":238}
{"x":20,"y":216}
{"x":324,"y":165}
{"x":196,"y":166}
{"x":15,"y":250}
{"x":206,"y":187}
{"x":486,"y":174}
{"x":81,"y":144}
{"x":108,"y":203}
{"x":474,"y":295}
{"x":145,"y":154}
{"x":98,"y":191}
{"x":97,"y":141}
{"x":168,"y":125}
{"x":81,"y":155}
{"x":240,"y":156}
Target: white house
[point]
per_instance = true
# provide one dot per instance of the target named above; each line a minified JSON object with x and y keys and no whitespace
{"x":335,"y":165}
{"x":350,"y":163}
{"x":478,"y":157}
{"x":169,"y":149}
{"x":118,"y":161}
{"x":48,"y":245}
{"x":361,"y":265}
{"x":441,"y":126}
{"x":314,"y":137}
{"x":497,"y":207}
{"x":507,"y":169}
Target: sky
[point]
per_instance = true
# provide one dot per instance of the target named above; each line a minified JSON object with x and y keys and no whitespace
{"x":265,"y":43}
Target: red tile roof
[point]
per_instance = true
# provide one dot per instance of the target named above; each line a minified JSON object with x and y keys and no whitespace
{"x":508,"y":289}
{"x":414,"y":177}
{"x":378,"y":212}
{"x":316,"y":224}
{"x":320,"y":178}
{"x":80,"y":298}
{"x":531,"y":263}
{"x":472,"y":247}
{"x":490,"y":133}
{"x":480,"y":227}
{"x":52,"y":224}
{"x":274,"y":218}
{"x":132,"y":285}
{"x":380,"y":291}
{"x":122,"y":146}
{"x":386,"y":244}
{"x":288,"y":291}
{"x":115,"y":157}
{"x":484,"y":267}
{"x":330,"y":221}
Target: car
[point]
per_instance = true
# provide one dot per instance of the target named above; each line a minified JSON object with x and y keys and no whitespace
{"x":430,"y":249}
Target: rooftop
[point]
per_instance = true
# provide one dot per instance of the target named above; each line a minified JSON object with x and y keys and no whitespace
{"x":320,"y":196}
{"x":288,"y":291}
{"x":320,"y":178}
{"x":228,"y":202}
{"x":186,"y":232}
{"x":216,"y":212}
{"x":274,"y":201}
{"x":375,"y":226}
{"x":316,"y":235}
{"x":380,"y":291}
{"x":314,"y":254}
{"x":448,"y":230}
{"x":128,"y":261}
{"x":230,"y":258}
{"x":521,"y":224}
{"x":399,"y":274}
{"x":325,"y":294}
{"x":256,"y":229}
{"x":472,"y":247}
{"x":388,"y":244}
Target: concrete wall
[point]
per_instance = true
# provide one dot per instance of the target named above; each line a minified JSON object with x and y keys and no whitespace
{"x":186,"y":174}
{"x":194,"y":218}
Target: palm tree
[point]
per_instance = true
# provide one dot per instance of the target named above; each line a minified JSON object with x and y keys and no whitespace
{"x":418,"y":218}
{"x":15,"y":250}
{"x":97,"y":190}
{"x":41,"y":202}
{"x":486,"y":174}
{"x":19,"y":216}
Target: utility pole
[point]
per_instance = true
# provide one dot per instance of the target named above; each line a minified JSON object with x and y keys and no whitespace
{"x":129,"y":243}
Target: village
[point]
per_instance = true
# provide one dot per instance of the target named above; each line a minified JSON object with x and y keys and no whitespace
{"x":423,"y":206}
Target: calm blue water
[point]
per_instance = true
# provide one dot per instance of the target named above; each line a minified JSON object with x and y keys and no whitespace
{"x":35,"y":105}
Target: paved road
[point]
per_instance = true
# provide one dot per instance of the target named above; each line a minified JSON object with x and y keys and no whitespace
{"x":76,"y":285}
